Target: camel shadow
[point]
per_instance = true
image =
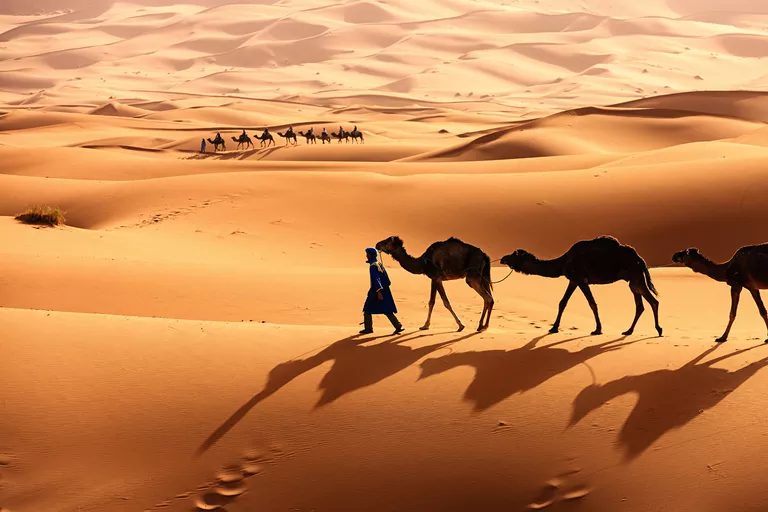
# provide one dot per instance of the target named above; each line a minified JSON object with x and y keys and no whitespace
{"x":355,"y":366}
{"x":500,"y":374}
{"x":667,"y":399}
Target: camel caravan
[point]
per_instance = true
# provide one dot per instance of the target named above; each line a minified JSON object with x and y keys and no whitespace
{"x":291,"y":139}
{"x":602,"y":260}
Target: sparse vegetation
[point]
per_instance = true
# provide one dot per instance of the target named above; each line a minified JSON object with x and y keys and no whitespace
{"x":45,"y":215}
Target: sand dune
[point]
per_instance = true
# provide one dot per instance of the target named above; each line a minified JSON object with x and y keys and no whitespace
{"x":185,"y":341}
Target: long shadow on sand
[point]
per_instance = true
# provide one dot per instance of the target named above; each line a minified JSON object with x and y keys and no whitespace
{"x":667,"y":399}
{"x":355,"y":366}
{"x":502,"y":373}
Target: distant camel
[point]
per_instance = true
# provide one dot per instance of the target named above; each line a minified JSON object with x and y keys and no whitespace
{"x":445,"y":261}
{"x":244,"y":139}
{"x":356,"y":134}
{"x":602,"y":260}
{"x":310,"y":136}
{"x":325,"y":137}
{"x":289,"y":135}
{"x":341,"y":135}
{"x":266,"y":138}
{"x":216,"y":143}
{"x":747,"y":268}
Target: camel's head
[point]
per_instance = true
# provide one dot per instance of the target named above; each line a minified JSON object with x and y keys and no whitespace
{"x":389,"y":245}
{"x":517,"y":260}
{"x":686,"y":256}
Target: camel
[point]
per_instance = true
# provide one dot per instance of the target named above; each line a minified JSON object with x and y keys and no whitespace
{"x":445,"y":261}
{"x":244,"y":139}
{"x":341,"y":135}
{"x":289,"y":135}
{"x":266,"y":138}
{"x":602,"y":260}
{"x":216,"y":143}
{"x":747,"y":268}
{"x":310,"y":136}
{"x":356,"y":134}
{"x":325,"y":137}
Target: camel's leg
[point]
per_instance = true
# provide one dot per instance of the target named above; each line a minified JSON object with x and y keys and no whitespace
{"x":483,"y":288}
{"x":563,"y":302}
{"x":592,"y":304}
{"x":735,"y":293}
{"x":760,"y":307}
{"x":639,"y":308}
{"x":447,"y":304}
{"x":654,"y":302}
{"x":432,"y":295}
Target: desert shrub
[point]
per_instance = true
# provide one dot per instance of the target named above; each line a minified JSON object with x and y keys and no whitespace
{"x":46,"y":215}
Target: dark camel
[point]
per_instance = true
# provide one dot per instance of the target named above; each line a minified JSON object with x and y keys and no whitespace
{"x":325,"y":137}
{"x":244,"y":139}
{"x":445,"y":261}
{"x":310,"y":136}
{"x":216,"y":143}
{"x":341,"y":135}
{"x":289,"y":135}
{"x":602,"y":260}
{"x":266,"y":138}
{"x":356,"y":134}
{"x":748,"y":268}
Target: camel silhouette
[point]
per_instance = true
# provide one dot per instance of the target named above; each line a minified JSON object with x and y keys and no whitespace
{"x":354,"y":367}
{"x":341,"y":135}
{"x":445,"y":261}
{"x":747,"y":268}
{"x":289,"y":136}
{"x":325,"y":137}
{"x":602,"y":260}
{"x":500,"y":374}
{"x":243,"y":140}
{"x":266,"y":139}
{"x":356,"y":134}
{"x":217,"y":141}
{"x":310,"y":136}
{"x":666,"y":399}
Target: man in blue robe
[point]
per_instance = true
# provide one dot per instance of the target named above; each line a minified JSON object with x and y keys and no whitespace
{"x":379,"y":300}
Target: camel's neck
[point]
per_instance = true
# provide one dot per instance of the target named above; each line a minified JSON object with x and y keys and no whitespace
{"x":408,"y":262}
{"x":545,"y":268}
{"x":709,"y":268}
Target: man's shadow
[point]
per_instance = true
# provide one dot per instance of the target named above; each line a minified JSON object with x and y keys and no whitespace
{"x":355,"y":366}
{"x":667,"y":399}
{"x":500,"y":374}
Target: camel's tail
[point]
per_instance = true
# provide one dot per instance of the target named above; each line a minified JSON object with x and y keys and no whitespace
{"x":487,"y":270}
{"x":648,"y":280}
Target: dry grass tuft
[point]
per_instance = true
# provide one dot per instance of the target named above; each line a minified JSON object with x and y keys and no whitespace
{"x":45,"y":215}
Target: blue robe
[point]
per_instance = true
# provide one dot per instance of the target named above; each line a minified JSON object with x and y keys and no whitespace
{"x":379,"y":282}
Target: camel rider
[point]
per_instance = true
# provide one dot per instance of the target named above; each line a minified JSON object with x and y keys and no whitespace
{"x":243,"y":135}
{"x":379,"y":300}
{"x":324,"y":135}
{"x":218,"y":137}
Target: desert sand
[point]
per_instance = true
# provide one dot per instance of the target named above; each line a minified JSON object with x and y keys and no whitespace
{"x":187,"y":340}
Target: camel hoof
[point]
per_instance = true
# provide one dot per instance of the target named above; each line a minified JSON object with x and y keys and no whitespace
{"x":597,"y":332}
{"x":424,"y":328}
{"x":554,"y":330}
{"x":461,"y":328}
{"x":481,"y":328}
{"x":721,"y":340}
{"x":659,"y":329}
{"x":627,"y":333}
